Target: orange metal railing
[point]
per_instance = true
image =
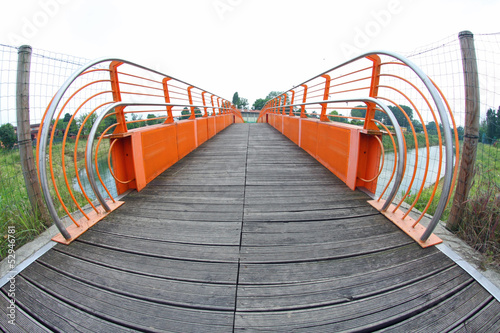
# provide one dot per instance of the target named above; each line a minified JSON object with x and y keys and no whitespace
{"x":126,"y":104}
{"x":394,"y":99}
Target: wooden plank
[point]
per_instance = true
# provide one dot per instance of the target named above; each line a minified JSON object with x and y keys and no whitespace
{"x":20,"y":321}
{"x":337,"y":290}
{"x":322,"y":251}
{"x":364,"y":314}
{"x":136,"y":314}
{"x":484,"y":321}
{"x":164,"y":291}
{"x":58,"y":315}
{"x":192,"y":232}
{"x":447,"y":314}
{"x":326,"y":269}
{"x":195,"y":271}
{"x":164,"y":249}
{"x":348,"y":211}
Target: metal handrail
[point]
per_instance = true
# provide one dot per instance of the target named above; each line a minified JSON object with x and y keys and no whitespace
{"x":50,"y":112}
{"x":397,"y":129}
{"x":443,"y":115}
{"x":93,"y":132}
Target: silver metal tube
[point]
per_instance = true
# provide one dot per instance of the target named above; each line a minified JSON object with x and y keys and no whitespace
{"x":444,"y":121}
{"x":91,"y":138}
{"x":399,"y":138}
{"x":44,"y":132}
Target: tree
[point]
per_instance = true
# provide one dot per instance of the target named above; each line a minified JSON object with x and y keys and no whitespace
{"x":432,"y":128}
{"x":185,"y":113}
{"x":417,"y":125}
{"x":67,"y":117}
{"x":337,"y":119}
{"x":197,"y":112}
{"x":236,"y":99}
{"x":88,"y":124}
{"x":259,"y":104}
{"x":460,"y":132}
{"x":492,"y":125}
{"x":358,"y":112}
{"x":402,"y":121}
{"x":243,"y":103}
{"x":7,"y":136}
{"x":153,"y":121}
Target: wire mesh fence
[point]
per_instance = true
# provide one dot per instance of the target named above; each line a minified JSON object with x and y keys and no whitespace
{"x":48,"y":72}
{"x":441,"y":60}
{"x":479,"y":221}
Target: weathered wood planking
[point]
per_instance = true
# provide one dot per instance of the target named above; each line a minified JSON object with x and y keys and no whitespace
{"x":247,"y":233}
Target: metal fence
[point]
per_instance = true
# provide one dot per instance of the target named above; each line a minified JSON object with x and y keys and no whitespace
{"x":48,"y":71}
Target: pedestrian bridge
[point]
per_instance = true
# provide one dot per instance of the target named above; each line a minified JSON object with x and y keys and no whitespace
{"x":229,"y":226}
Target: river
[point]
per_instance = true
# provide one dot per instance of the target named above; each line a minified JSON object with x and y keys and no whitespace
{"x":106,"y":177}
{"x":410,"y":164}
{"x":383,"y":178}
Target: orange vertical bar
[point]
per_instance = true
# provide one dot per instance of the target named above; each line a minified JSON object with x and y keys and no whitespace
{"x":303,"y":107}
{"x":326,"y":94}
{"x":170,"y":117}
{"x":191,"y":102}
{"x":218,"y":104}
{"x":204,"y":104}
{"x":291,"y":102}
{"x":117,"y":97}
{"x":370,"y":109}
{"x":284,"y":105}
{"x":213,"y":106}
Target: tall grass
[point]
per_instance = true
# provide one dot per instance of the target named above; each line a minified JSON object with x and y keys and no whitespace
{"x":479,"y":225}
{"x":15,"y":207}
{"x":410,"y":141}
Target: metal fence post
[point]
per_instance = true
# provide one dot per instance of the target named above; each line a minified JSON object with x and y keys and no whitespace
{"x":472,"y":112}
{"x":24,"y":135}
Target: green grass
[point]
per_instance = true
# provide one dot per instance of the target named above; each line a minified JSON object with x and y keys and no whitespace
{"x":410,"y":141}
{"x":480,"y":224}
{"x":15,"y":208}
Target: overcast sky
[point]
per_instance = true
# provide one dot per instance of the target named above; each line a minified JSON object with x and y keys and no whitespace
{"x":249,"y":46}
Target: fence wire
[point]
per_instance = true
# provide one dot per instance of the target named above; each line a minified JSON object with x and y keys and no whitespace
{"x":48,"y":72}
{"x":442,"y":61}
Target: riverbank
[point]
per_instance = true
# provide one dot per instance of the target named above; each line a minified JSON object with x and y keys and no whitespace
{"x":480,"y":223}
{"x":16,"y":213}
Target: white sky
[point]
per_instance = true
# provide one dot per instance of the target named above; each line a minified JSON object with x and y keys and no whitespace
{"x":249,"y":46}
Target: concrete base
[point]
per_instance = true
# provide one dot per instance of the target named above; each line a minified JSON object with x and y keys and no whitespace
{"x":463,"y":252}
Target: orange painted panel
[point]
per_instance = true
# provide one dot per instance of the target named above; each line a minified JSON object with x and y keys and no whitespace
{"x":291,"y":129}
{"x":368,"y":162}
{"x":279,"y":123}
{"x":123,"y":164}
{"x":211,"y":125}
{"x":219,"y":123}
{"x":333,"y":148}
{"x":159,"y":149}
{"x":186,"y":141}
{"x":202,"y":130}
{"x":309,"y":140}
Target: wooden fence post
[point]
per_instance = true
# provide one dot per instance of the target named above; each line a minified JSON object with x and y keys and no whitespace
{"x":472,"y":112}
{"x":24,"y":135}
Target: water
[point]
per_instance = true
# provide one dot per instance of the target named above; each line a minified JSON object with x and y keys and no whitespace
{"x":106,"y":178}
{"x":410,"y":164}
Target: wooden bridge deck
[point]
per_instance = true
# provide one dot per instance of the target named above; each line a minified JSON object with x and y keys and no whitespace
{"x":247,"y":233}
